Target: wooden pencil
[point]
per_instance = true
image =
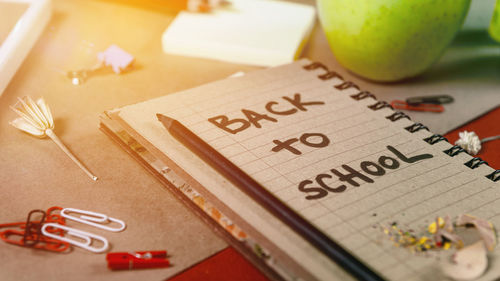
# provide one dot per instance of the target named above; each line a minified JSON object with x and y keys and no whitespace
{"x":267,"y":200}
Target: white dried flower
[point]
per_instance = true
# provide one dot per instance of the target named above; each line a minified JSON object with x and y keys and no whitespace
{"x":469,"y":141}
{"x":36,"y":119}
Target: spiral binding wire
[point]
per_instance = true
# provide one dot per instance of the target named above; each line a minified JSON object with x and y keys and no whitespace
{"x":330,"y":75}
{"x":416,"y":127}
{"x":379,"y":105}
{"x":435,"y":139}
{"x":363,"y":95}
{"x":495,"y":176}
{"x":475,"y":162}
{"x":398,"y":115}
{"x":346,"y":85}
{"x":453,"y":151}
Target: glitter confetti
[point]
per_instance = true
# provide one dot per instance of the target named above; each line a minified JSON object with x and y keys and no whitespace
{"x":408,"y":239}
{"x":440,"y":234}
{"x":468,"y":262}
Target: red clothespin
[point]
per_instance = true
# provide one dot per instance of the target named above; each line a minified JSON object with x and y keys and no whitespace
{"x":399,"y":104}
{"x":135,"y":260}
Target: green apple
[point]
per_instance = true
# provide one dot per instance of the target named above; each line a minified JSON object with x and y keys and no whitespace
{"x":494,"y":29}
{"x":390,"y":40}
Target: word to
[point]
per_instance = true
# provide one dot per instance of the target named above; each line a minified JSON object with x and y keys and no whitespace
{"x":305,"y":139}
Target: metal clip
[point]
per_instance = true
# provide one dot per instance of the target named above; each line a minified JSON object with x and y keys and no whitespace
{"x":85,"y":236}
{"x":43,"y":243}
{"x":93,"y":219}
{"x":399,"y":104}
{"x":444,"y":99}
{"x":31,"y":234}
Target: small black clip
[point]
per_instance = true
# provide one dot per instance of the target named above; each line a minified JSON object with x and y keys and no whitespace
{"x":429,"y":100}
{"x":33,"y":231}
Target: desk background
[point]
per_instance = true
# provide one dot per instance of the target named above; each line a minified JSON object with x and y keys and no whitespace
{"x":35,"y":174}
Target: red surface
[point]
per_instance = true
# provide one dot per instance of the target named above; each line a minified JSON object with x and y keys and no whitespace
{"x":485,"y":126}
{"x":229,"y":265}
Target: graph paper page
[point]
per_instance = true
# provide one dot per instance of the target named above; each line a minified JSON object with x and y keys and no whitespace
{"x":345,"y":167}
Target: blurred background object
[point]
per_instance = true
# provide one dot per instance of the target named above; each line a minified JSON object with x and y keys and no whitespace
{"x":172,"y":6}
{"x":253,"y":32}
{"x":21,"y":23}
{"x":495,"y":23}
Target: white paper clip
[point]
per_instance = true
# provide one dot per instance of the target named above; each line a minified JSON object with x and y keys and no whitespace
{"x":93,"y":219}
{"x":85,"y":236}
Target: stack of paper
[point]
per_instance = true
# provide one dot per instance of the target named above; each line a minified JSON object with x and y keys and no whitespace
{"x":256,"y":32}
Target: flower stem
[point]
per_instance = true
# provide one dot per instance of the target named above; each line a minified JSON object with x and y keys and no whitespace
{"x":61,"y":145}
{"x":490,"y":139}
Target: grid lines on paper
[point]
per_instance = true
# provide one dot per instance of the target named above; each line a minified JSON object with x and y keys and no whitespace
{"x":412,"y":193}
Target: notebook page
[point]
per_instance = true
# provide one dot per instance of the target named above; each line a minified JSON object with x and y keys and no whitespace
{"x":141,"y":118}
{"x":341,"y":165}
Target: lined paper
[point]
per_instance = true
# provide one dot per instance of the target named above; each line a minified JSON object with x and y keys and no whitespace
{"x":412,"y":194}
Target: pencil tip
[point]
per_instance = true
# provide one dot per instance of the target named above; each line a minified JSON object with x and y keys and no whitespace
{"x":165,"y":120}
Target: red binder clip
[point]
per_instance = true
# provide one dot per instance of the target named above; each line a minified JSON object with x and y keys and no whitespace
{"x":135,"y":260}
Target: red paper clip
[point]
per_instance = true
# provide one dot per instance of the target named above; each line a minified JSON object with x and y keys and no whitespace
{"x":135,"y":260}
{"x":29,"y":235}
{"x":42,"y":242}
{"x":399,"y":104}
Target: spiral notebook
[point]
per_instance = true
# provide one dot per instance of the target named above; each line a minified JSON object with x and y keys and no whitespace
{"x":329,"y":151}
